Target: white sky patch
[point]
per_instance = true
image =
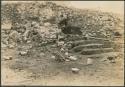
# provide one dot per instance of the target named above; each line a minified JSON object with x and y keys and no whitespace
{"x":106,"y":6}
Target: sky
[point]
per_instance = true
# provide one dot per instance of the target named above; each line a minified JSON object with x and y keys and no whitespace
{"x":106,"y":6}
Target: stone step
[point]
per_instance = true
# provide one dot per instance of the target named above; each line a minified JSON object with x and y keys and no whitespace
{"x":96,"y":51}
{"x":73,"y":38}
{"x":83,"y":42}
{"x":101,"y":55}
{"x":89,"y":46}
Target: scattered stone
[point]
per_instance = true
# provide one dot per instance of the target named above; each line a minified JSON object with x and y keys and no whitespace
{"x":30,"y":46}
{"x":60,"y":43}
{"x":111,"y":59}
{"x":69,"y":46}
{"x":67,"y":60}
{"x":75,"y":70}
{"x":28,"y":41}
{"x":53,"y":36}
{"x":103,"y":59}
{"x":11,"y":46}
{"x":8,"y":58}
{"x":53,"y":57}
{"x":47,"y":24}
{"x":42,"y":54}
{"x":66,"y":53}
{"x":89,"y":61}
{"x":3,"y":45}
{"x":72,"y":58}
{"x":62,"y":49}
{"x":53,"y":45}
{"x":23,"y":53}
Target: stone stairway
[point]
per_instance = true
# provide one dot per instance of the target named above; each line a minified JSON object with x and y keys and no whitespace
{"x":95,"y":51}
{"x":92,"y":46}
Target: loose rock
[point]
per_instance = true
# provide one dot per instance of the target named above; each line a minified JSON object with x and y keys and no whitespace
{"x":23,"y":53}
{"x":72,"y":58}
{"x":67,"y":60}
{"x":75,"y":70}
{"x":47,"y":24}
{"x":28,"y":41}
{"x":8,"y":58}
{"x":60,"y":43}
{"x":66,"y":53}
{"x":53,"y":57}
{"x":11,"y":46}
{"x":42,"y":54}
{"x":30,"y":46}
{"x":62,"y":49}
{"x":3,"y":45}
{"x":111,"y":59}
{"x":89,"y":61}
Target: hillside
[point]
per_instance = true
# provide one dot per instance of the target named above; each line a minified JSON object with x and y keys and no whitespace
{"x":96,"y":22}
{"x":50,"y":44}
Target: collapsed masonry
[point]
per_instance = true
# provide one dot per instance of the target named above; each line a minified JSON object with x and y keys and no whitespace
{"x":83,"y":31}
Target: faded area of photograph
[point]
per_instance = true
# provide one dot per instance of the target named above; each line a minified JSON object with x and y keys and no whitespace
{"x":62,"y":43}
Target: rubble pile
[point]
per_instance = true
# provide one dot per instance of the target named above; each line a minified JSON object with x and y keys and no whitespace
{"x":42,"y":24}
{"x":92,"y":23}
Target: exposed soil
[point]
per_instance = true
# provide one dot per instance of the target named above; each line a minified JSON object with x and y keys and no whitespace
{"x":40,"y":69}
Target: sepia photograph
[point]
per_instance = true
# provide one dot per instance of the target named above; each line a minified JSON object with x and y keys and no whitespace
{"x":62,"y":43}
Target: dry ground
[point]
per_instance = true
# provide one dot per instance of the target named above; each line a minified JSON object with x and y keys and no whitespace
{"x":40,"y":69}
